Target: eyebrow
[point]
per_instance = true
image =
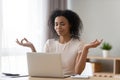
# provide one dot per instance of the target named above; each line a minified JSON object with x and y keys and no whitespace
{"x":60,"y":22}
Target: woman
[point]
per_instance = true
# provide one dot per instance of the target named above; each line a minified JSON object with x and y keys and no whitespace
{"x":66,"y":25}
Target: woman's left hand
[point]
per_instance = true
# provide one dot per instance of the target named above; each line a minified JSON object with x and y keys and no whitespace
{"x":93,"y":44}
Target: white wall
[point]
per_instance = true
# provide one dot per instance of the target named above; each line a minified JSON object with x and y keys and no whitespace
{"x":101,"y":20}
{"x":0,"y":29}
{"x":0,"y":22}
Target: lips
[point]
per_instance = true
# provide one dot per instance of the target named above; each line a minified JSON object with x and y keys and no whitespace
{"x":59,"y":32}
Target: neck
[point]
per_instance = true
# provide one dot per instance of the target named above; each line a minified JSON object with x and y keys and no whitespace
{"x":64,"y":39}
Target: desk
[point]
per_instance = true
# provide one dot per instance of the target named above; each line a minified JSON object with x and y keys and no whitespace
{"x":35,"y":78}
{"x":92,"y":78}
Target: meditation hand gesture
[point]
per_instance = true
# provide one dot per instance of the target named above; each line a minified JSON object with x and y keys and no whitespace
{"x":93,"y":44}
{"x":24,"y":42}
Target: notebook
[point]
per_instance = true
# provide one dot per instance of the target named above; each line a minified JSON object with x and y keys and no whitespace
{"x":45,"y":65}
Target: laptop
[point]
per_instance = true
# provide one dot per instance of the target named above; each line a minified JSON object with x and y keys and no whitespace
{"x":45,"y":65}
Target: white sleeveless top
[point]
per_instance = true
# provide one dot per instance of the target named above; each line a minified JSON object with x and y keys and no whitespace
{"x":68,"y":50}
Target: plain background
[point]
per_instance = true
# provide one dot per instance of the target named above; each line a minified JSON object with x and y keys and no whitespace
{"x":101,"y":20}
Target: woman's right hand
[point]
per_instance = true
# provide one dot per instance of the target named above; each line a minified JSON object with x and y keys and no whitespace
{"x":24,"y":42}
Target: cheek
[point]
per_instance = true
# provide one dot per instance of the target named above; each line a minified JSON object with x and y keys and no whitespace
{"x":55,"y":28}
{"x":68,"y":29}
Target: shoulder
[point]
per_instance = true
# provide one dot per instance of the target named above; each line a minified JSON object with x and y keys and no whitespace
{"x":51,"y":41}
{"x":78,"y":44}
{"x":77,"y":41}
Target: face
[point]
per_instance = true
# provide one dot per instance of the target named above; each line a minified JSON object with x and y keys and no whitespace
{"x":62,"y":26}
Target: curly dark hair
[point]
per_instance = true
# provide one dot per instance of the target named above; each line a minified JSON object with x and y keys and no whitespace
{"x":73,"y":19}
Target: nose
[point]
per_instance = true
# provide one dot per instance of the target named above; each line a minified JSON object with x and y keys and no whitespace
{"x":58,"y":26}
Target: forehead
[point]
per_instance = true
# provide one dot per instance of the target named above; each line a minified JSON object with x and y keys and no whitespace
{"x":60,"y":19}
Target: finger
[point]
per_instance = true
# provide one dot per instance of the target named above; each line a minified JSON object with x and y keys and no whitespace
{"x":17,"y":39}
{"x":101,"y":40}
{"x":98,"y":43}
{"x":25,"y":39}
{"x":22,"y":41}
{"x":94,"y":41}
{"x":18,"y":42}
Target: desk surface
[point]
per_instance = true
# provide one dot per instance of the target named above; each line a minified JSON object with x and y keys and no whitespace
{"x":35,"y":78}
{"x":92,"y":78}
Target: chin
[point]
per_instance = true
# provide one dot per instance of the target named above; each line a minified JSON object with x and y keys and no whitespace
{"x":60,"y":34}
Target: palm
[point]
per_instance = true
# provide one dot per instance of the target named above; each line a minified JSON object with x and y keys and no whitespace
{"x":93,"y":44}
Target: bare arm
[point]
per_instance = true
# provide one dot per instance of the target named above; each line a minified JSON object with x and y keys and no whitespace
{"x":81,"y":58}
{"x":24,"y":42}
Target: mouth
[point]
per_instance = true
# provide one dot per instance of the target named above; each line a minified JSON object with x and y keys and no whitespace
{"x":59,"y":32}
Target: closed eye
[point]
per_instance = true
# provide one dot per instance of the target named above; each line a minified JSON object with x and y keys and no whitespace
{"x":62,"y":24}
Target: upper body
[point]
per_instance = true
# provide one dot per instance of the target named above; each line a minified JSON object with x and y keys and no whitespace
{"x":66,"y":26}
{"x":68,"y":51}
